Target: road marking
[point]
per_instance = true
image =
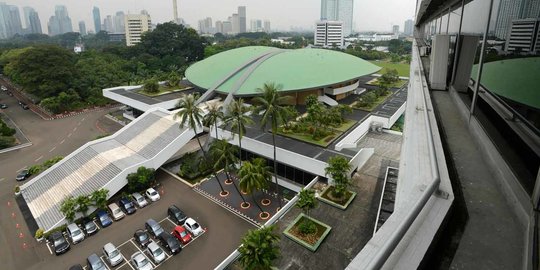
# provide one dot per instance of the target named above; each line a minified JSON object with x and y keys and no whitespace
{"x":83,"y":119}
{"x":21,"y":169}
{"x":144,"y":254}
{"x":62,"y":141}
{"x":52,"y":149}
{"x":40,"y":157}
{"x":49,"y":248}
{"x":105,"y":263}
{"x":78,"y":124}
{"x":2,"y":179}
{"x":74,"y":129}
{"x":69,"y":135}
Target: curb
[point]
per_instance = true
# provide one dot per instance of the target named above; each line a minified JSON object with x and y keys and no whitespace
{"x":178,"y":178}
{"x":17,"y":147}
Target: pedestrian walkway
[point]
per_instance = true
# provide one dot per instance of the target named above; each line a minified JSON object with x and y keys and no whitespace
{"x":492,"y":238}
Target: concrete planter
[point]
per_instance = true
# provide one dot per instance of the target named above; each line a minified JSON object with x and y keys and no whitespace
{"x":322,"y":231}
{"x":324,"y":197}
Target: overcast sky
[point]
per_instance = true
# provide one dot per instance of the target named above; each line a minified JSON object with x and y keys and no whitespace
{"x":376,"y":15}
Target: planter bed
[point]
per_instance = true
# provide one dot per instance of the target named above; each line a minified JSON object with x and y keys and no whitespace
{"x":312,"y":241}
{"x":327,"y":198}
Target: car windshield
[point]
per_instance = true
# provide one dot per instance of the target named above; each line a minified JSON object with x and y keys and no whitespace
{"x":103,"y":218}
{"x":23,"y":172}
{"x":183,"y":233}
{"x":117,"y":211}
{"x":157,"y":252}
{"x":143,"y":262}
{"x":153,"y":193}
{"x":195,"y":226}
{"x":90,"y":225}
{"x":140,"y":199}
{"x":129,"y":205}
{"x":76,"y":232}
{"x":59,"y":241}
{"x":98,"y":265}
{"x":143,"y":236}
{"x":114,"y":253}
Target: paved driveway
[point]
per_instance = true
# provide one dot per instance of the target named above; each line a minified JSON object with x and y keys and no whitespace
{"x":224,"y":231}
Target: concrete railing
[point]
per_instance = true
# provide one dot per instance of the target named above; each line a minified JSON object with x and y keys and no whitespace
{"x":342,"y":90}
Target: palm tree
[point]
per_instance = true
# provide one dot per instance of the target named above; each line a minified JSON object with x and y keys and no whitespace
{"x":68,"y":207}
{"x":214,"y":115}
{"x":99,"y":198}
{"x":238,"y":120}
{"x":83,"y":203}
{"x":192,"y":116}
{"x":259,"y":248}
{"x":306,"y":200}
{"x":254,"y":176}
{"x":338,"y":168}
{"x":271,"y":104}
{"x":225,"y":154}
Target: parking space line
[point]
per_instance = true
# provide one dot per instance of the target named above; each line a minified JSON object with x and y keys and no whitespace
{"x":144,"y":254}
{"x":62,"y":141}
{"x":79,"y":124}
{"x":83,"y":119}
{"x":74,"y":129}
{"x":105,"y":263}
{"x":21,"y":169}
{"x":40,"y":157}
{"x":69,"y":135}
{"x":2,"y":179}
{"x":174,"y":224}
{"x":52,"y":149}
{"x":129,"y":240}
{"x":49,"y":248}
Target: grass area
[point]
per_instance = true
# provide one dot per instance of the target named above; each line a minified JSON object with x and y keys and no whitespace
{"x":403,"y":69}
{"x":397,"y":84}
{"x":163,"y":89}
{"x":373,"y":105}
{"x":324,"y":142}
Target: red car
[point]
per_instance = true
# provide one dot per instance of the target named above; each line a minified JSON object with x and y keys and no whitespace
{"x":182,"y":235}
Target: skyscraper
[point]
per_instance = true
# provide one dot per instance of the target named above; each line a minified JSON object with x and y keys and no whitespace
{"x":235,"y":22}
{"x":97,"y":19}
{"x":34,"y":26}
{"x":119,"y":25}
{"x":510,"y":10}
{"x":531,"y":9}
{"x":206,"y":26}
{"x":338,"y":10}
{"x":242,"y":19}
{"x":267,"y":28}
{"x":82,"y":28}
{"x":136,"y":25}
{"x":108,"y":24}
{"x":60,"y":23}
{"x":15,"y":18}
{"x":329,"y":34}
{"x":408,"y":27}
{"x":395,"y":30}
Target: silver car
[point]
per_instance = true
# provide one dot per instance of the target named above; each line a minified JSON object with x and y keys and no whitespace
{"x":112,"y":254}
{"x":155,"y":252}
{"x":140,"y":201}
{"x":75,"y":233}
{"x":140,"y":262}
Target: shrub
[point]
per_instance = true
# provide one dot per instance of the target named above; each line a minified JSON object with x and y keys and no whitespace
{"x":39,"y":233}
{"x":151,"y":86}
{"x":35,"y":169}
{"x":307,"y":227}
{"x":6,"y":141}
{"x":140,"y":180}
{"x":17,"y":189}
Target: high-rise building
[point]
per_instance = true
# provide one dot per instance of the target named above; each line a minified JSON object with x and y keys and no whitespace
{"x":338,"y":10}
{"x":206,"y":26}
{"x":35,"y":24}
{"x":97,"y":19}
{"x":119,"y":25}
{"x":256,"y":25}
{"x":329,"y":34}
{"x":60,"y":23}
{"x":15,"y":18}
{"x":267,"y":28}
{"x":523,"y":36}
{"x":241,"y":19}
{"x":395,"y":30}
{"x":108,"y":24}
{"x":531,"y":9}
{"x":227,"y":27}
{"x":219,"y":27}
{"x":510,"y":10}
{"x":408,"y":27}
{"x":82,"y":28}
{"x":26,"y":16}
{"x":235,"y":22}
{"x":136,"y":25}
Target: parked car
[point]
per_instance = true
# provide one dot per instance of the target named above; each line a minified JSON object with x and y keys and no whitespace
{"x":193,"y":227}
{"x":104,"y":218}
{"x":75,"y":233}
{"x":95,"y":263}
{"x":22,"y":175}
{"x":76,"y":267}
{"x":176,"y":214}
{"x":140,"y":201}
{"x":142,"y":237}
{"x":24,"y":106}
{"x":3,"y":106}
{"x":3,"y":88}
{"x":140,"y":262}
{"x":89,"y":226}
{"x":60,"y":244}
{"x":181,"y":234}
{"x":170,"y":242}
{"x":152,"y":195}
{"x":112,"y":254}
{"x":155,"y":252}
{"x":153,"y":227}
{"x":127,"y":206}
{"x":116,"y":212}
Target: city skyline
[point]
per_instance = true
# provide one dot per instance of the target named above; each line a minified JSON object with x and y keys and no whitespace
{"x":192,"y":11}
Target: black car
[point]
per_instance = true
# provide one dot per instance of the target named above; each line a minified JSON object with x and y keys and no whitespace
{"x":24,"y":106}
{"x":141,"y":237}
{"x":76,"y":267}
{"x":22,"y":175}
{"x":170,"y":242}
{"x":3,"y":106}
{"x":176,"y":214}
{"x":127,"y":206}
{"x":59,"y":243}
{"x":89,"y":226}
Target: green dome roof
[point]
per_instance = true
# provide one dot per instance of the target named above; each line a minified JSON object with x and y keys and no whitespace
{"x":248,"y":68}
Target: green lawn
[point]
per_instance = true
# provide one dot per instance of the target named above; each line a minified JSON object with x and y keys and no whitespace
{"x":397,"y":84}
{"x":163,"y":89}
{"x":373,"y":105}
{"x":403,"y":69}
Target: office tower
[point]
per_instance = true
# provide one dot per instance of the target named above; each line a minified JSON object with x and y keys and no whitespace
{"x":531,"y":9}
{"x":242,"y":19}
{"x":26,"y":14}
{"x":219,"y":27}
{"x":97,"y":19}
{"x":15,"y":18}
{"x":205,"y":26}
{"x":227,"y":27}
{"x":256,"y":26}
{"x":33,"y":24}
{"x":395,"y":30}
{"x":267,"y":28}
{"x":329,"y":34}
{"x":108,"y":24}
{"x":510,"y":10}
{"x":60,"y":23}
{"x":119,"y":25}
{"x":523,"y":36}
{"x":82,"y":28}
{"x":235,"y":22}
{"x":408,"y":27}
{"x":338,"y":10}
{"x":136,"y":25}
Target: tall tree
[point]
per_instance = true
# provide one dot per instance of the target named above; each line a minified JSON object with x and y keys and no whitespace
{"x":191,"y":116}
{"x":83,"y":204}
{"x":338,"y":168}
{"x":68,"y":208}
{"x":225,"y":154}
{"x":306,"y":200}
{"x":99,"y":198}
{"x":274,"y":112}
{"x":238,"y":119}
{"x":254,"y":176}
{"x":259,"y":249}
{"x":213,"y":116}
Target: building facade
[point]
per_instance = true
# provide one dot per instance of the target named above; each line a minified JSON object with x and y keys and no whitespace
{"x":510,"y":10}
{"x":338,"y":10}
{"x":206,"y":26}
{"x":31,"y":20}
{"x":136,"y":25}
{"x":242,"y":24}
{"x":408,"y":27}
{"x":97,"y":19}
{"x":267,"y":27}
{"x":60,"y":23}
{"x":523,"y":37}
{"x":119,"y":25}
{"x":329,"y":34}
{"x":82,"y":28}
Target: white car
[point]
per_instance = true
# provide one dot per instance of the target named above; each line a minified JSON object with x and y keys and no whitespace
{"x":116,"y":212}
{"x":155,"y":252}
{"x":140,"y":201}
{"x":139,"y":261}
{"x":193,"y":227}
{"x":75,"y":233}
{"x":112,"y":254}
{"x":152,"y":195}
